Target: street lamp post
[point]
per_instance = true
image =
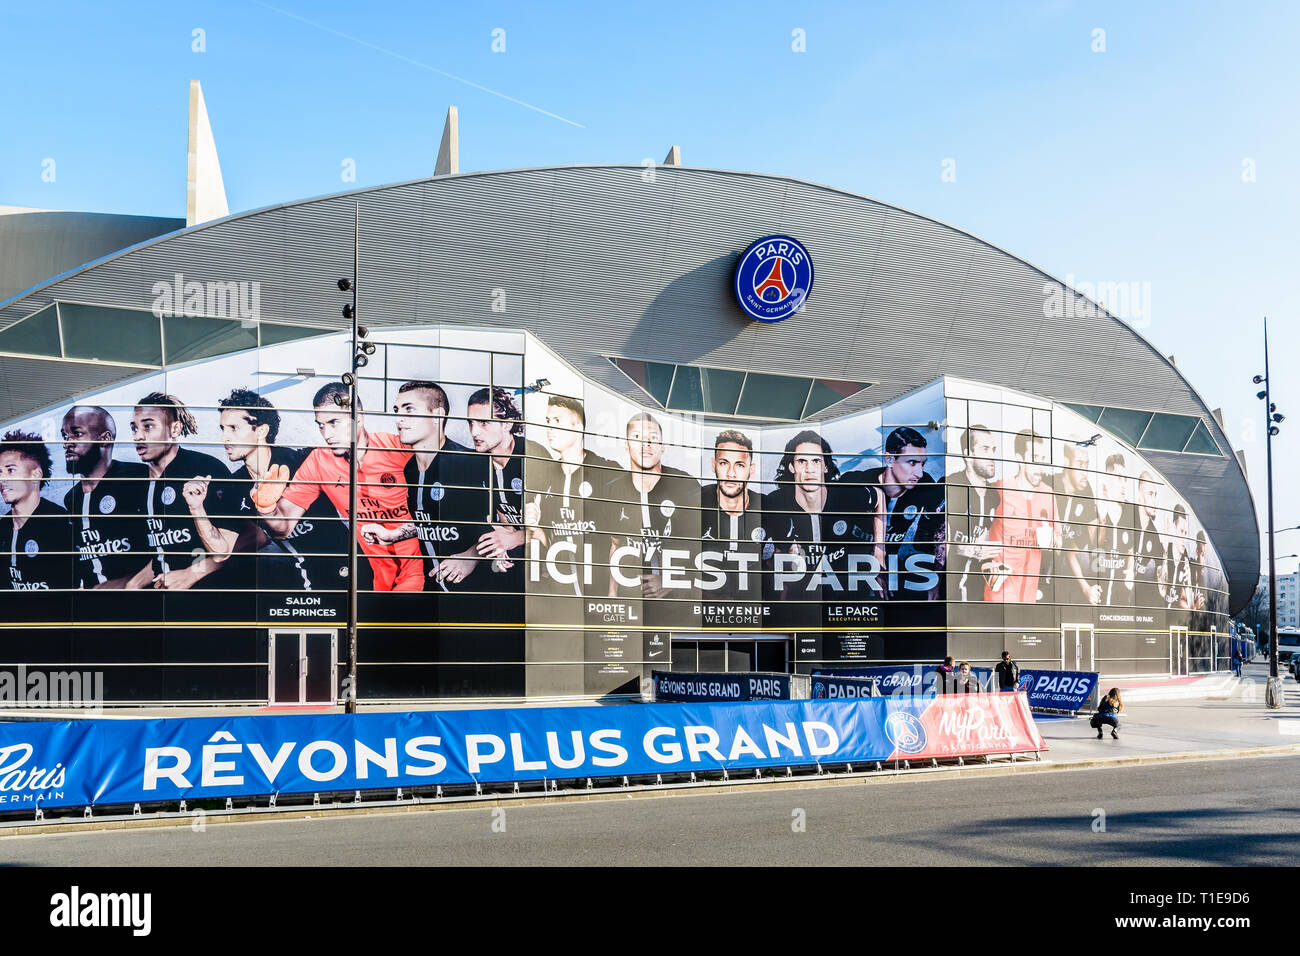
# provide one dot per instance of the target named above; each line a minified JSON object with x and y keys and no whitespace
{"x":361,"y":350}
{"x":1274,"y":696}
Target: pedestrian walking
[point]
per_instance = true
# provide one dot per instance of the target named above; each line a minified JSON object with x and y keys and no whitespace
{"x":1108,"y":711}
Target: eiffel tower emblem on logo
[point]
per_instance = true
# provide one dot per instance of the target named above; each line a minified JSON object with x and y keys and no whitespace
{"x":773,"y":280}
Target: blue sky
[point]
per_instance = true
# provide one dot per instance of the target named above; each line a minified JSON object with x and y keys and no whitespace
{"x":1124,"y":165}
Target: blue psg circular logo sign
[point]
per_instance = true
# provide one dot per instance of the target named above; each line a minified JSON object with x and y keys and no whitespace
{"x":773,"y":278}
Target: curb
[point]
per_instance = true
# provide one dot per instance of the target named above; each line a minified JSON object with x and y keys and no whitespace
{"x":267,"y":814}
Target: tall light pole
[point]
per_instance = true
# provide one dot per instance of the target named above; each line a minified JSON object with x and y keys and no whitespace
{"x":1274,"y":696}
{"x":361,"y":350}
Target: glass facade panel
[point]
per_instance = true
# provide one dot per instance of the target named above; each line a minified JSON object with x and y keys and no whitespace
{"x":38,"y":334}
{"x":1127,"y":423}
{"x":1201,"y":443}
{"x":1168,"y":432}
{"x":188,"y":338}
{"x":686,"y":394}
{"x":824,"y":394}
{"x":1090,"y":412}
{"x":111,"y":335}
{"x":721,"y":390}
{"x":773,"y":396}
{"x":658,"y":380}
{"x":273,"y":334}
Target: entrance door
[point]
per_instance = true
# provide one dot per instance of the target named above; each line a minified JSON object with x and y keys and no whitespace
{"x":1178,"y":652}
{"x":737,"y":652}
{"x":303,"y":669}
{"x":1078,"y":647}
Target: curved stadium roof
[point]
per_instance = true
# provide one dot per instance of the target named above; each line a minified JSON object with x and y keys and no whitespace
{"x":599,"y":263}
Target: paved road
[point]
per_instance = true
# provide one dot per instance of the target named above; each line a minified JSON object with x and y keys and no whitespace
{"x":1240,"y":811}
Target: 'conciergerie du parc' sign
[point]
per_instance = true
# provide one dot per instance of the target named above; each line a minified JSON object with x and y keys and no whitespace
{"x":773,"y":278}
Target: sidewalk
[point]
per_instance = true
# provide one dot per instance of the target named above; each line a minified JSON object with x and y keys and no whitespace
{"x":1155,"y":728}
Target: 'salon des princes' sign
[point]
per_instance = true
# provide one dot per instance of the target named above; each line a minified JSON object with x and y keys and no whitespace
{"x":773,"y":278}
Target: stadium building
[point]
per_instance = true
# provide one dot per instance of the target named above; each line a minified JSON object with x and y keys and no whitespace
{"x":588,"y":449}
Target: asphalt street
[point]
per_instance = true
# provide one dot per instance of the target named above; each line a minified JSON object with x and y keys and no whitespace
{"x":1239,"y":811}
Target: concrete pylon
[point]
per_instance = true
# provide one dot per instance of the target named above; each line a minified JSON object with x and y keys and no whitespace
{"x":449,"y":149}
{"x":674,"y":157}
{"x":205,"y":192}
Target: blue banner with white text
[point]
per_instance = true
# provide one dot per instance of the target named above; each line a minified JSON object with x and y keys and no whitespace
{"x":907,"y":678}
{"x":679,"y":687}
{"x":1058,"y":690}
{"x":842,"y":688}
{"x":100,"y":762}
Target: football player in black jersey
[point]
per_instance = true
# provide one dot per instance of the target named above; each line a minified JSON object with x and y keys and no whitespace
{"x":653,"y":507}
{"x":497,"y":428}
{"x":1179,"y":562}
{"x":914,"y":508}
{"x":1149,"y":570}
{"x":731,"y":519}
{"x":1076,"y":505}
{"x":35,"y":532}
{"x":1206,"y":579}
{"x":436,"y":476}
{"x":107,"y":505}
{"x":313,"y":556}
{"x":972,"y":505}
{"x":817,"y":518}
{"x":179,"y":560}
{"x":562,"y":501}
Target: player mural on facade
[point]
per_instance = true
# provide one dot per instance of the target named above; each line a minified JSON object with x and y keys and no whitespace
{"x":312,"y":557}
{"x":1112,"y":561}
{"x":497,"y":429}
{"x":179,"y":561}
{"x":35,"y":532}
{"x":107,"y":503}
{"x":559,"y":508}
{"x":1076,"y":504}
{"x":381,"y":495}
{"x":435,"y":495}
{"x":1179,"y":563}
{"x":457,"y":488}
{"x":652,"y":507}
{"x":972,"y":505}
{"x":731,"y":519}
{"x":828,"y":534}
{"x":1150,"y":570}
{"x":913,"y":505}
{"x":1024,"y":526}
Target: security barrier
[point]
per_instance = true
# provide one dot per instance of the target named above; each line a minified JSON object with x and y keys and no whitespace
{"x":907,"y":678}
{"x":698,"y":687}
{"x":95,"y":763}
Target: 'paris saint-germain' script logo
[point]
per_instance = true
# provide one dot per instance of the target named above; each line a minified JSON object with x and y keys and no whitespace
{"x":773,"y":278}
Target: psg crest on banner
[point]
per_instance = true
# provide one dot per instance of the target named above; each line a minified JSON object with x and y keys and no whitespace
{"x":773,"y":278}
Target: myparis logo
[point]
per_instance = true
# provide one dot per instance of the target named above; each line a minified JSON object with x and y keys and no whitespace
{"x":77,"y":908}
{"x":905,"y":731}
{"x":773,"y":278}
{"x":219,"y":300}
